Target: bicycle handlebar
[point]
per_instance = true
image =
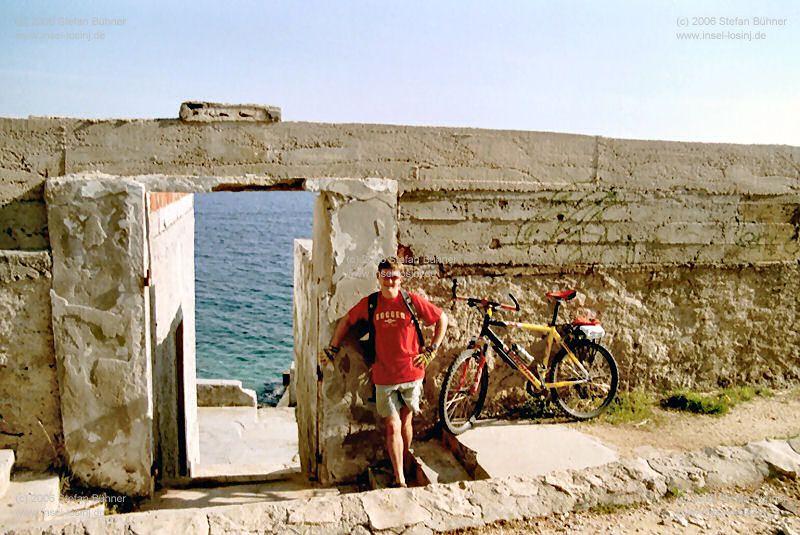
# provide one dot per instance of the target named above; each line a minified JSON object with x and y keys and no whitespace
{"x":483,"y":302}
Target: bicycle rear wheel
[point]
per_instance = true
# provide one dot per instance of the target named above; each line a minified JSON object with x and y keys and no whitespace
{"x":463,"y":392}
{"x":589,"y":399}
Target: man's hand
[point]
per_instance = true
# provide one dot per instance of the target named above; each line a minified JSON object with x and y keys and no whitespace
{"x":425,"y":358}
{"x":328,"y":354}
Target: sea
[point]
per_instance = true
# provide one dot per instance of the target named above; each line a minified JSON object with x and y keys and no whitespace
{"x":243,"y":285}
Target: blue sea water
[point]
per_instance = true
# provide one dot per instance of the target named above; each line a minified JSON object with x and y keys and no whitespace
{"x":243,"y":284}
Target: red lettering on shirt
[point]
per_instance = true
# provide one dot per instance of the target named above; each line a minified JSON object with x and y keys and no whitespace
{"x":396,"y":342}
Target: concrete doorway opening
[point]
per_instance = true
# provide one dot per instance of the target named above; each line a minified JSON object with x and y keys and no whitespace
{"x":123,"y":313}
{"x":244,"y":300}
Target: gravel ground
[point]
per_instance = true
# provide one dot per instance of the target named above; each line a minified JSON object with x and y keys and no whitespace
{"x":771,"y":508}
{"x":773,"y":417}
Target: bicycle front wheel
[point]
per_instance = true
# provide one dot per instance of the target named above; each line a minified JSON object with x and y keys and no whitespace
{"x":463,"y":392}
{"x":589,"y":398}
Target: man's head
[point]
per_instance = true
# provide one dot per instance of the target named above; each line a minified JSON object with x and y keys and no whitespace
{"x":390,"y":273}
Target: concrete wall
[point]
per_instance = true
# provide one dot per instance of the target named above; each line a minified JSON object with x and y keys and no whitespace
{"x":171,"y":243}
{"x":304,"y":321}
{"x":596,"y":224}
{"x":419,"y":158}
{"x":101,"y":324}
{"x":30,"y":415}
{"x":667,"y":326}
{"x":688,"y":251}
{"x":354,"y":227}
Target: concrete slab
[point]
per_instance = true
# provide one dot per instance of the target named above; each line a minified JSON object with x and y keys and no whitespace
{"x":6,"y":463}
{"x":438,"y":463}
{"x":293,"y":489}
{"x":504,"y":449}
{"x":30,"y":498}
{"x":237,"y":442}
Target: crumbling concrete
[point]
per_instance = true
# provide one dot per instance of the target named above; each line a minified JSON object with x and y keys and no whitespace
{"x":305,"y":343}
{"x":101,"y":330}
{"x":354,"y":227}
{"x":30,"y":415}
{"x":687,"y":251}
{"x":452,"y":506}
{"x":170,"y":236}
{"x":502,"y":449}
{"x":224,"y":393}
{"x":195,"y":111}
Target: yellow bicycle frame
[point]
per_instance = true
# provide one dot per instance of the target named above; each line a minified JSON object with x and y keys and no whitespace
{"x":552,"y":338}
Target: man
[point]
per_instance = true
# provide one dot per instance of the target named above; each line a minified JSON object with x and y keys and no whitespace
{"x":399,"y":360}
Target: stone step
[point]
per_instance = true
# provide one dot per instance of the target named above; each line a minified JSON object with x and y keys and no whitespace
{"x":30,"y":498}
{"x":6,"y":463}
{"x":380,"y":476}
{"x":496,"y":449}
{"x":73,"y":508}
{"x":298,"y":488}
{"x":438,"y":464}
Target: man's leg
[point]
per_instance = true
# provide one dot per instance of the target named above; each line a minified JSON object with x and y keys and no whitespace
{"x":406,"y":416}
{"x":387,"y":403}
{"x":394,"y":446}
{"x":411,"y":394}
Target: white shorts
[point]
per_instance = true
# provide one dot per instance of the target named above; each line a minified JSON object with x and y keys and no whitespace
{"x":390,"y":398}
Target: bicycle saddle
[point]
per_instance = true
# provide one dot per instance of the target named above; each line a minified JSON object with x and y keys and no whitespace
{"x":566,"y":295}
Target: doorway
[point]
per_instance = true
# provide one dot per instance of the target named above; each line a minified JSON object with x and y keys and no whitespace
{"x":244,"y":245}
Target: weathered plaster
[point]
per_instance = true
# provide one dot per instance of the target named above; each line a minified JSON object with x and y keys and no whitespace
{"x":304,"y":320}
{"x":656,"y":234}
{"x":419,"y":158}
{"x":667,"y":327}
{"x":354,"y":227}
{"x":30,"y":415}
{"x":171,"y":249}
{"x":100,"y":326}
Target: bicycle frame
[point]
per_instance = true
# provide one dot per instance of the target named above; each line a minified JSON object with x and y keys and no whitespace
{"x":552,"y":337}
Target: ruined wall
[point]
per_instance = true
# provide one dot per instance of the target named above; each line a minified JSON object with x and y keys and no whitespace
{"x":171,"y":234}
{"x":30,"y":416}
{"x":304,"y":322}
{"x":598,"y":224}
{"x":354,"y":227}
{"x":667,"y":326}
{"x":419,"y":158}
{"x":666,"y":240}
{"x":101,"y":324}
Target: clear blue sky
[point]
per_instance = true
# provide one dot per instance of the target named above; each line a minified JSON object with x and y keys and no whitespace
{"x":602,"y":68}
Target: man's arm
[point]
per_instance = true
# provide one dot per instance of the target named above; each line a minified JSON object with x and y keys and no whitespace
{"x":438,"y":331}
{"x":429,"y":353}
{"x":341,"y":330}
{"x":329,"y":352}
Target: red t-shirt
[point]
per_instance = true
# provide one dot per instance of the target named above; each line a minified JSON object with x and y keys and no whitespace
{"x":396,"y":342}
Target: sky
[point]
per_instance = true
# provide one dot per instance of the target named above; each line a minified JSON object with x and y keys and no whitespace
{"x":692,"y":71}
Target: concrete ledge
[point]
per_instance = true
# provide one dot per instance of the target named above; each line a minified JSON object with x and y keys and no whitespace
{"x":194,"y":111}
{"x":224,"y":393}
{"x":437,"y":508}
{"x":6,"y":463}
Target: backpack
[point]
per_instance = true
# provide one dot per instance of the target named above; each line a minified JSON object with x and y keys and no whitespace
{"x":366,"y":331}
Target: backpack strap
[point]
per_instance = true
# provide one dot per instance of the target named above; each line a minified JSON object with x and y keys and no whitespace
{"x":413,"y":310}
{"x":372,"y":302}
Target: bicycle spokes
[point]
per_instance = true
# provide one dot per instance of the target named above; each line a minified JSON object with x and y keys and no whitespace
{"x":462,"y":392}
{"x":592,"y":376}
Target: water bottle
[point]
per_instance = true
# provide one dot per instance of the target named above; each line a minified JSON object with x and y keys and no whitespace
{"x":526,"y":357}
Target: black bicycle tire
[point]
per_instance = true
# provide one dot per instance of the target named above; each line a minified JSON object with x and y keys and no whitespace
{"x":484,"y":387}
{"x":612,"y":391}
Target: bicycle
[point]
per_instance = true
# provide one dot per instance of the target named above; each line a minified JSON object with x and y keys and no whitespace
{"x":582,"y":377}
